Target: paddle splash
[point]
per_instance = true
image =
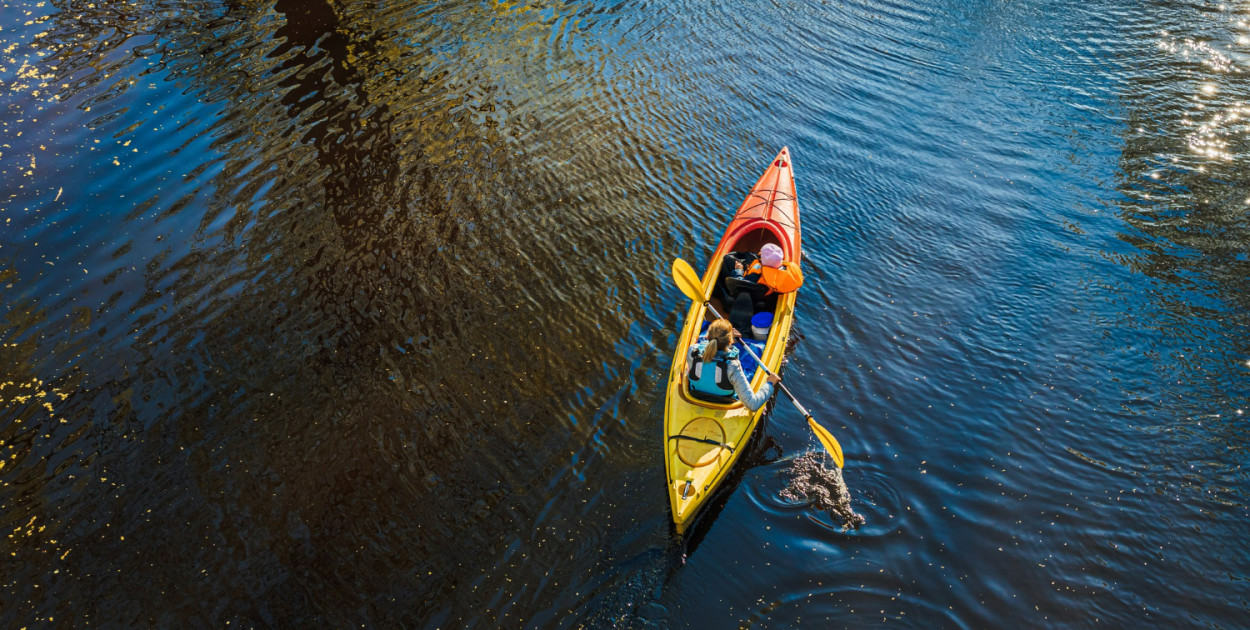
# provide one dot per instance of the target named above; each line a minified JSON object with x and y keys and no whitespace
{"x":823,"y":487}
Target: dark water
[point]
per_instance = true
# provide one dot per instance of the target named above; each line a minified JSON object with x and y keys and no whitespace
{"x":332,"y":314}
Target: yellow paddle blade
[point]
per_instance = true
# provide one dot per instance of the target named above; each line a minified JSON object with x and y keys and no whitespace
{"x":688,"y":280}
{"x":828,"y":440}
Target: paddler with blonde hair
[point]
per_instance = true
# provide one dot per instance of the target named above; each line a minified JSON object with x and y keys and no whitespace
{"x":717,"y":350}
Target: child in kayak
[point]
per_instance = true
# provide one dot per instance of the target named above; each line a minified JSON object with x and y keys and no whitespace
{"x":771,"y":270}
{"x":716,"y":350}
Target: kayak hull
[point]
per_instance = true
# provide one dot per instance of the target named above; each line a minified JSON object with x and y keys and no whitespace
{"x":703,"y":440}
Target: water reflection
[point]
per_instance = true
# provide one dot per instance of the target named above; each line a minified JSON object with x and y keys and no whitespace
{"x":1185,"y":195}
{"x":1185,"y":198}
{"x":358,"y":312}
{"x":354,"y":370}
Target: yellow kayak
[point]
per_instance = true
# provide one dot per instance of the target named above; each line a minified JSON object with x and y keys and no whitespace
{"x":705,"y":435}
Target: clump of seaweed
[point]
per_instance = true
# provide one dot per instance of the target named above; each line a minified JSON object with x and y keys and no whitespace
{"x":811,"y":481}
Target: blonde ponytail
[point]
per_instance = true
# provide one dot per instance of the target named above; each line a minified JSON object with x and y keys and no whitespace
{"x":719,"y":339}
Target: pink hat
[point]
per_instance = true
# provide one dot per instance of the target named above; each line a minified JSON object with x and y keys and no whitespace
{"x":770,"y":255}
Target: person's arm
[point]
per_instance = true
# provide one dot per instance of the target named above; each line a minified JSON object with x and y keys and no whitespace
{"x":752,"y":400}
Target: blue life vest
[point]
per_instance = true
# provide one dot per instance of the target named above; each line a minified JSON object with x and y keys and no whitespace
{"x":711,"y":381}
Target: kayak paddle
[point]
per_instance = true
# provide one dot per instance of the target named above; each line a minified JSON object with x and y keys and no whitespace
{"x":689,"y":283}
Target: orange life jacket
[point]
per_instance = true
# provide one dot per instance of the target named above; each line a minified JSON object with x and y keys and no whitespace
{"x":786,"y":279}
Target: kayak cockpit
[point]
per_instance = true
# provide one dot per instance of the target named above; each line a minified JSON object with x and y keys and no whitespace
{"x":742,"y":299}
{"x":748,"y":306}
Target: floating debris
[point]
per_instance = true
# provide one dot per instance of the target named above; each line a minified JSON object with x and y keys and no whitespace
{"x":823,"y":487}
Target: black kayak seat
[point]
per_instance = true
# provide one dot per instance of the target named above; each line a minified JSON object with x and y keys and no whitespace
{"x":735,"y":286}
{"x":742,"y":312}
{"x":726,"y":271}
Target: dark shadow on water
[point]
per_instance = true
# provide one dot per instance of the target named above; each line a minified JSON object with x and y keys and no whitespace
{"x":632,"y":593}
{"x":354,"y":381}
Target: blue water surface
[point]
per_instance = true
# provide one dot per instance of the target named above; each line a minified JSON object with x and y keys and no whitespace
{"x":330,"y":314}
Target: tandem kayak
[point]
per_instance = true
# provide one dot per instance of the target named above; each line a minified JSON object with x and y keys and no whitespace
{"x":705,"y":435}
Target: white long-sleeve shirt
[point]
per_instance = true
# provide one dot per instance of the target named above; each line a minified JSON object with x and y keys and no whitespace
{"x":752,"y":400}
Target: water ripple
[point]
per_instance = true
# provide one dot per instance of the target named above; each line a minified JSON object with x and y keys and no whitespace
{"x":358,"y":312}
